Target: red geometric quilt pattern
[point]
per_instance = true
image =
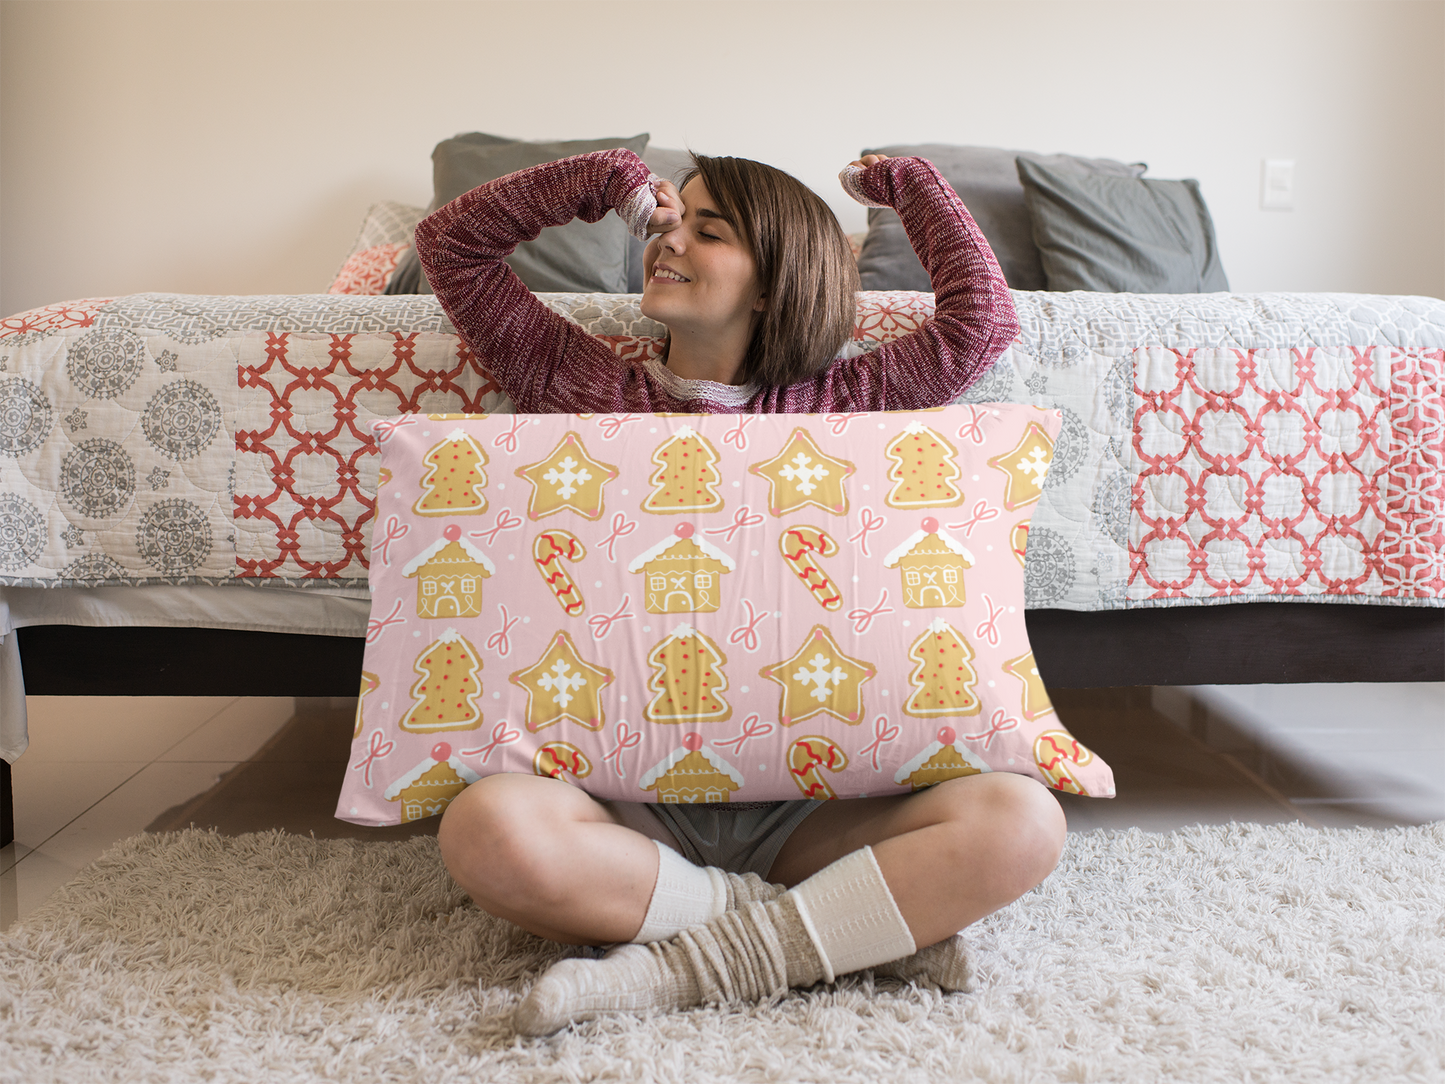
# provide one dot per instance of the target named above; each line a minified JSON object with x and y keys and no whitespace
{"x":1279,"y":472}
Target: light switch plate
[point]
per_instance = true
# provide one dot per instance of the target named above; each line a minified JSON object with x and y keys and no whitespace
{"x":1276,"y":192}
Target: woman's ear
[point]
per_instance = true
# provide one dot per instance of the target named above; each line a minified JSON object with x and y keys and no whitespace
{"x":761,"y":304}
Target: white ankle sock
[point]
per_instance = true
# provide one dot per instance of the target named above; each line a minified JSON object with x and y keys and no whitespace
{"x":850,"y":915}
{"x":685,"y":895}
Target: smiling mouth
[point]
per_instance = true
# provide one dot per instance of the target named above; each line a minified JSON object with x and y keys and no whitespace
{"x":668,"y":275}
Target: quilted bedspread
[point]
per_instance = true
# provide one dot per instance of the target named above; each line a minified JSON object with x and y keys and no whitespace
{"x":1215,"y":447}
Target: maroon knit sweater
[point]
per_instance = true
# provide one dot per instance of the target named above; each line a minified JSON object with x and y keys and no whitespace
{"x":547,"y":364}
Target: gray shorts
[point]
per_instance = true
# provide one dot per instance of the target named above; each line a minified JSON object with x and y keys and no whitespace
{"x":738,"y":840}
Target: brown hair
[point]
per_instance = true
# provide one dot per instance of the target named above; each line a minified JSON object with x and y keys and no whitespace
{"x":805,"y":267}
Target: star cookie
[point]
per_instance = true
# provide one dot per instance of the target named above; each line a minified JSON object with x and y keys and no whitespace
{"x":562,"y":687}
{"x":569,"y":478}
{"x":819,"y":677}
{"x":1026,"y":464}
{"x":1035,"y":700}
{"x":924,"y":470}
{"x":801,"y":474}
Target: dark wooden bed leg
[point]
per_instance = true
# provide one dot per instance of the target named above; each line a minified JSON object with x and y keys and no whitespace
{"x":7,"y":806}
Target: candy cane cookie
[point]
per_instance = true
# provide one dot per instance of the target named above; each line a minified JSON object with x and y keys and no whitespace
{"x":801,"y":546}
{"x":549,"y":550}
{"x":555,"y":759}
{"x":1058,"y":753}
{"x":807,"y":757}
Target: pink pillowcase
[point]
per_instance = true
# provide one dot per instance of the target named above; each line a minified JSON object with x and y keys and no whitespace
{"x":705,"y":608}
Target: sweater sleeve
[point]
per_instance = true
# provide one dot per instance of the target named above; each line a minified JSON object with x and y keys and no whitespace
{"x":543,"y":361}
{"x":974,"y":319}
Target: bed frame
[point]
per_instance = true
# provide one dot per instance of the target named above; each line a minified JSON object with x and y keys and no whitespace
{"x":1243,"y":644}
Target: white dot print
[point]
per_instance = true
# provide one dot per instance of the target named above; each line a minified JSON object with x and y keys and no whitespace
{"x":745,"y":688}
{"x":384,"y":705}
{"x":417,"y":633}
{"x":426,"y":432}
{"x":991,"y":684}
{"x":624,"y":492}
{"x":653,"y":429}
{"x":646,"y":628}
{"x":907,"y":623}
{"x":1011,"y":609}
{"x":975,"y":478}
{"x":623,"y":698}
{"x":501,"y":485}
{"x":526,"y":620}
{"x":496,"y":696}
{"x":597,"y":584}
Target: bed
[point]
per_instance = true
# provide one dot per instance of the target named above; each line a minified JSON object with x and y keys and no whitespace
{"x":1246,"y":488}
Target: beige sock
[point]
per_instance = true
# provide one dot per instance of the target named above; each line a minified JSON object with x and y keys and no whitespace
{"x":851,"y":917}
{"x":945,"y":964}
{"x":754,"y":952}
{"x":686,"y":895}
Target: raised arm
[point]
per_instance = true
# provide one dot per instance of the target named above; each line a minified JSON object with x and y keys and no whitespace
{"x":543,"y":361}
{"x":974,"y":319}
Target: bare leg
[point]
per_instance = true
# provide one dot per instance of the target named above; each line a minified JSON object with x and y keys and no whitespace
{"x":542,"y":854}
{"x":951,"y":854}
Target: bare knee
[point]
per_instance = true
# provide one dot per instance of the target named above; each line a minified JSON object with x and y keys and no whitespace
{"x":1011,"y":824}
{"x":494,"y":836}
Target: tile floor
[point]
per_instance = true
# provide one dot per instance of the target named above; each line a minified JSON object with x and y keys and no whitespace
{"x":101,"y":769}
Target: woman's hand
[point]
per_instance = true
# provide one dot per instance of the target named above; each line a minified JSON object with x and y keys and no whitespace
{"x":869,"y":160}
{"x":669,"y":209}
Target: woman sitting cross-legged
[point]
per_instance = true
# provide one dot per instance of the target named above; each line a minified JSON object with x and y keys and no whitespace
{"x":753,"y":278}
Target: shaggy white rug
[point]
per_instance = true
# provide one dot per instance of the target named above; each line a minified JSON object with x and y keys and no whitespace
{"x":1237,"y":953}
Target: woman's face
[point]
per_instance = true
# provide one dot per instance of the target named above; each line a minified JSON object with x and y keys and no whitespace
{"x":700,"y":276}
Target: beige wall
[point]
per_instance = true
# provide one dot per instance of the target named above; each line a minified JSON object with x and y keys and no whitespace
{"x":233,"y":147}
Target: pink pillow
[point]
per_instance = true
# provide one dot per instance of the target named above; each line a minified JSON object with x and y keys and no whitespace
{"x":367,"y":272}
{"x":705,"y":608}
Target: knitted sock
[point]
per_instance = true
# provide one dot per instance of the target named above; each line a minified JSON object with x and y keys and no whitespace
{"x":754,"y":952}
{"x":945,"y":964}
{"x":850,"y":915}
{"x":687,"y":895}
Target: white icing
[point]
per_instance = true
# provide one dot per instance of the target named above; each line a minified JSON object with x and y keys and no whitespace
{"x":931,"y":750}
{"x":708,"y":549}
{"x":459,"y":434}
{"x":916,"y":537}
{"x":466,"y":774}
{"x":915,"y":427}
{"x":667,"y":763}
{"x":414,"y":565}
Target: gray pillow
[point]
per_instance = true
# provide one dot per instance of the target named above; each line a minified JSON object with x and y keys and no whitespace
{"x":670,"y":165}
{"x":987,"y":181}
{"x":1121,"y":234}
{"x":585,"y":257}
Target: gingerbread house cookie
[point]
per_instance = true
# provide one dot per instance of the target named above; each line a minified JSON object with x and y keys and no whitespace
{"x":687,"y":680}
{"x":931,"y":563}
{"x":449,"y":575}
{"x":802,"y":474}
{"x":445,"y":693}
{"x":455,"y":480}
{"x":428,"y":789}
{"x":1027,"y":465}
{"x":923,"y":469}
{"x":1034,"y":701}
{"x":562,"y":687}
{"x":685,"y":478}
{"x":943,"y":679}
{"x":693,"y":773}
{"x":684,"y":573}
{"x":819,"y":678}
{"x":940,"y":760}
{"x":567,"y":480}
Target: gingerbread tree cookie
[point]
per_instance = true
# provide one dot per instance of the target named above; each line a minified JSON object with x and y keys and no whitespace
{"x":924,"y":470}
{"x":562,"y":687}
{"x":448,"y":684}
{"x":454,"y":480}
{"x":568,"y":479}
{"x":688,"y":680}
{"x":819,"y":677}
{"x":803,"y":474}
{"x":686,"y":475}
{"x":943,"y":681}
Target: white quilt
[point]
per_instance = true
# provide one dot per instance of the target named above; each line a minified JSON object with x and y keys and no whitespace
{"x":1216,"y":448}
